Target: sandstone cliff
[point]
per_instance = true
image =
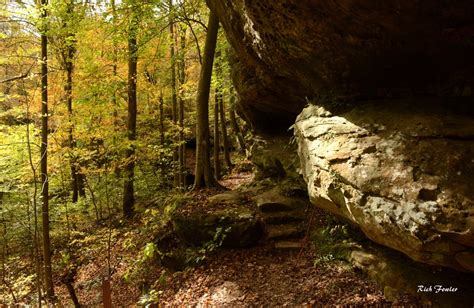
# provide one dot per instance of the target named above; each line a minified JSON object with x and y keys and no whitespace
{"x":334,"y":52}
{"x":400,"y":166}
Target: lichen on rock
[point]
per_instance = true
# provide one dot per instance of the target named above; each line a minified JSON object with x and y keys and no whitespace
{"x":401,"y":172}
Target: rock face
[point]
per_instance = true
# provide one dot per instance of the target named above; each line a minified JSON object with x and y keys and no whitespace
{"x":402,"y":171}
{"x":344,"y":50}
{"x":228,"y":219}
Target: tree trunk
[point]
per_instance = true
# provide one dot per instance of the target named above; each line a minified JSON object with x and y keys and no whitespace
{"x":115,"y":105}
{"x":68,"y":281}
{"x":72,"y":294}
{"x":4,"y":273}
{"x":236,"y":128}
{"x":128,"y":192}
{"x":48,"y":276}
{"x":217,"y":162}
{"x":106,"y":293}
{"x":77,"y":179}
{"x":174,"y":100}
{"x":115,"y":55}
{"x":182,"y":79}
{"x":162,"y":121}
{"x":35,"y":239}
{"x":225,"y":139}
{"x":162,"y":170}
{"x":72,"y":143}
{"x":204,"y":175}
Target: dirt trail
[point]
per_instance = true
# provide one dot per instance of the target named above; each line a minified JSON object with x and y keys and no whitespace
{"x":264,"y":276}
{"x":259,"y":276}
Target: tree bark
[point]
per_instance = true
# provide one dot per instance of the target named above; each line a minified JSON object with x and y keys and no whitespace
{"x":225,"y":139}
{"x":204,"y":175}
{"x":236,"y":128}
{"x":77,"y":179}
{"x":106,"y":293}
{"x":48,"y":276}
{"x":217,"y":162}
{"x":182,"y":79}
{"x":128,"y":192}
{"x":174,"y":100}
{"x":162,"y":121}
{"x":115,"y":55}
{"x":68,"y":281}
{"x":35,"y":239}
{"x":115,"y":105}
{"x":72,"y":143}
{"x":72,"y":294}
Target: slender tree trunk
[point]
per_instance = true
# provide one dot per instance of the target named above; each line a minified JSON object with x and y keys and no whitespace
{"x":106,"y":293}
{"x":48,"y":276}
{"x":114,"y":74}
{"x":162,"y":121}
{"x":193,"y":33}
{"x":174,"y":100}
{"x":204,"y":175}
{"x":69,"y":283}
{"x":128,"y":192}
{"x":77,"y":179}
{"x":6,"y":85}
{"x":182,"y":79}
{"x":115,"y":54}
{"x":217,"y":162}
{"x":225,"y":138}
{"x":162,"y":170}
{"x":69,"y":65}
{"x":5,"y":253}
{"x":35,"y":239}
{"x":72,"y":143}
{"x":236,"y":128}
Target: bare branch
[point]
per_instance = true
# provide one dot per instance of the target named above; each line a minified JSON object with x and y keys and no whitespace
{"x":17,"y":77}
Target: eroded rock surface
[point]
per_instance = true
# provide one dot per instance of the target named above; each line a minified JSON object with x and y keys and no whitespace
{"x":403,"y":171}
{"x":235,"y":223}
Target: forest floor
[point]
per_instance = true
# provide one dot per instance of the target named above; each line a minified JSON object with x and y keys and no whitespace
{"x":259,"y":276}
{"x":263,"y":276}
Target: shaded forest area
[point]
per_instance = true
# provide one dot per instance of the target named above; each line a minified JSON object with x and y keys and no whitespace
{"x":132,"y":173}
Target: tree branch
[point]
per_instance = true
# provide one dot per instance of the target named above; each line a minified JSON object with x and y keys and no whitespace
{"x":17,"y":77}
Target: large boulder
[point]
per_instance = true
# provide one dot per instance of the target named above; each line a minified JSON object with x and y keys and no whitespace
{"x":344,"y":50}
{"x":402,"y":171}
{"x":225,"y":217}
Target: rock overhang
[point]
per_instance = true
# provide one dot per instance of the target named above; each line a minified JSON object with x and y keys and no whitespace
{"x":287,"y":52}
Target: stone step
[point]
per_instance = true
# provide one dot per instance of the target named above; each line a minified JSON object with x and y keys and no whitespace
{"x":233,"y":197}
{"x":289,"y":244}
{"x":275,"y":201}
{"x":284,"y":231}
{"x":270,"y":207}
{"x":275,"y":218}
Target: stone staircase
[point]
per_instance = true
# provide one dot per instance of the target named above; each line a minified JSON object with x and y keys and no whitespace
{"x":284,"y":216}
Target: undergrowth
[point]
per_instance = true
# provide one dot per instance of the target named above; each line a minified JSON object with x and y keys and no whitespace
{"x":334,"y":240}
